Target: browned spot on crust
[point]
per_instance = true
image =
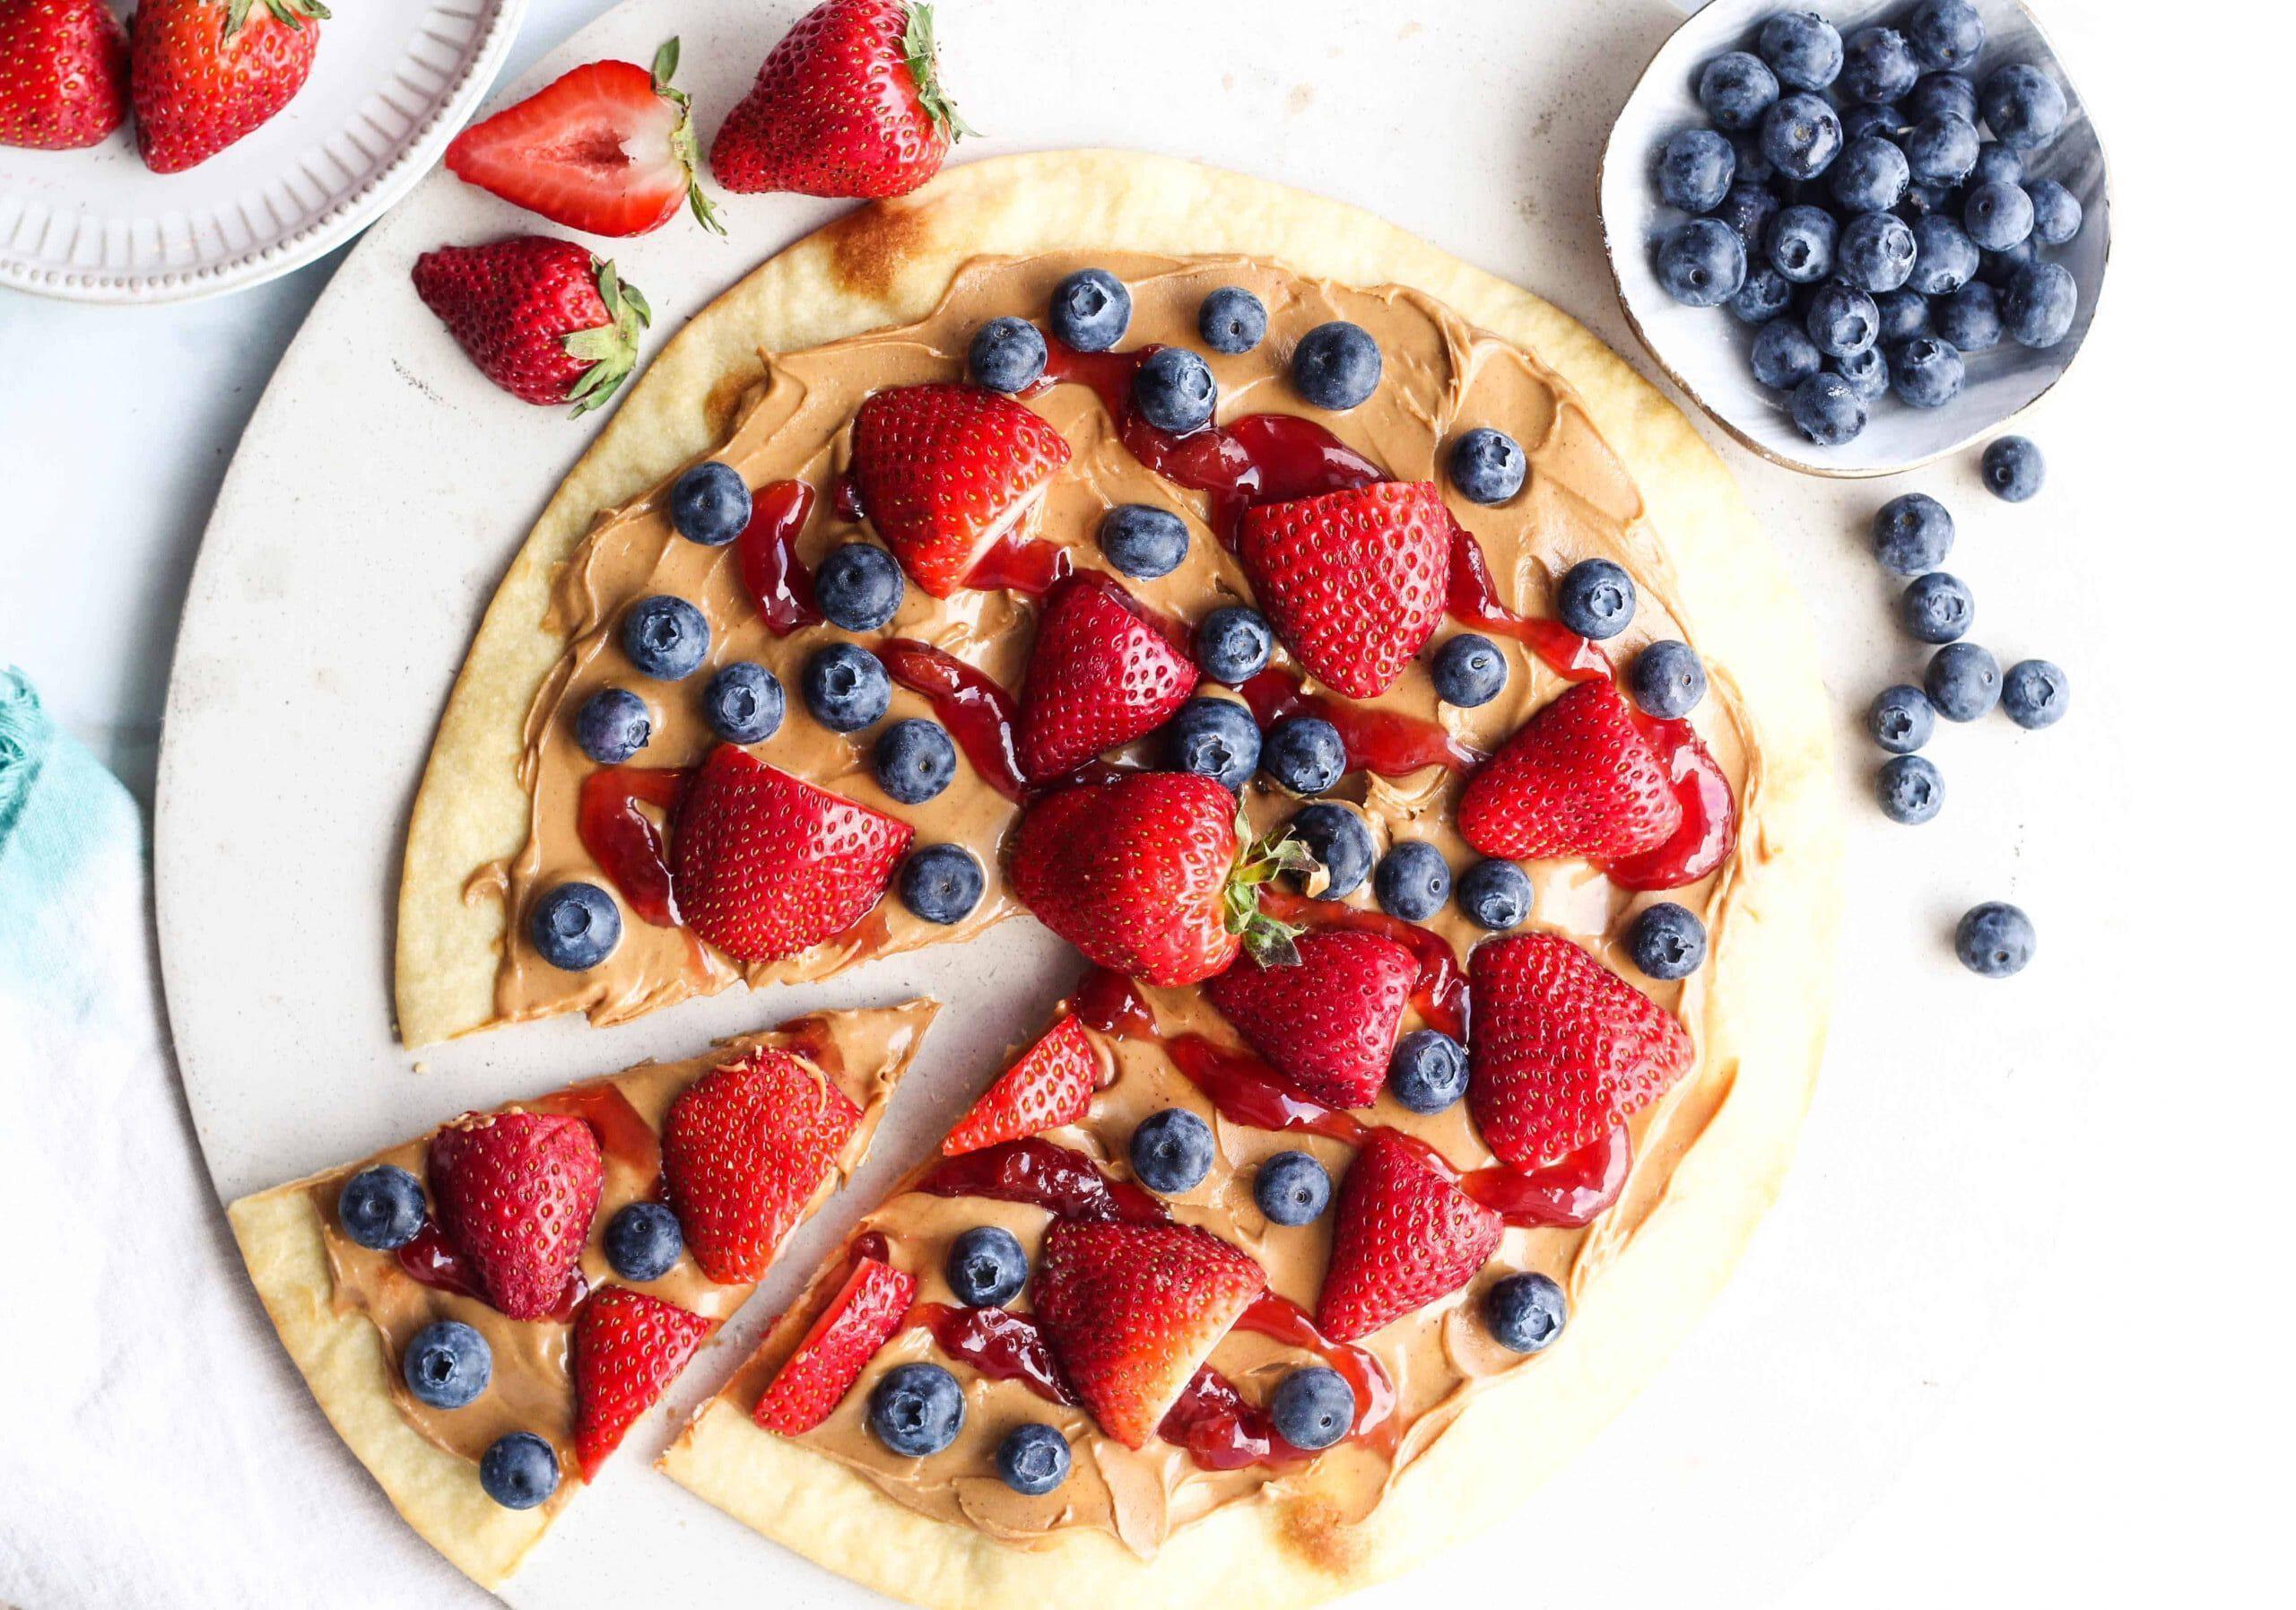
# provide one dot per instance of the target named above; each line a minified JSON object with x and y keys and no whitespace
{"x":725,"y":397}
{"x":868,"y":246}
{"x":1314,"y":1529}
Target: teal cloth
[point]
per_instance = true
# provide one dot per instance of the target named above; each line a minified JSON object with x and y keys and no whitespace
{"x":60,"y":811}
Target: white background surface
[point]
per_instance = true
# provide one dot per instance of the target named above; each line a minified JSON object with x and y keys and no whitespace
{"x":2092,"y":1367}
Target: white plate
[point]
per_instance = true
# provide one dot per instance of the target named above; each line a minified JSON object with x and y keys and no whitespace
{"x":389,"y":86}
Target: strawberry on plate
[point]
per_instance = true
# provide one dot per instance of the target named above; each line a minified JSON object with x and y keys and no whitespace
{"x":766,"y":865}
{"x":1101,"y":673}
{"x":516,"y":1192}
{"x":946,"y":470}
{"x":743,"y":1150}
{"x":628,"y":1346}
{"x":1327,"y":1024}
{"x":848,"y":104}
{"x":1562,"y":1050}
{"x":870,"y":1306}
{"x":1049,"y":1084}
{"x":1403,"y":1235}
{"x":541,"y":318}
{"x":1579,"y":780}
{"x":1132,"y":1311}
{"x":607,"y":148}
{"x":204,"y":74}
{"x":1354,"y":580}
{"x":62,"y":74}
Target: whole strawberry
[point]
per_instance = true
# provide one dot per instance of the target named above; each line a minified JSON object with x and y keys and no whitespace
{"x":1579,"y":780}
{"x":1328,"y":1023}
{"x":1403,"y":1235}
{"x":848,"y":104}
{"x":744,"y":1148}
{"x":628,"y":1346}
{"x":1354,"y":580}
{"x":62,"y":74}
{"x":945,"y":470}
{"x":516,"y":1192}
{"x":1101,"y":673}
{"x":541,"y":318}
{"x":206,"y":72}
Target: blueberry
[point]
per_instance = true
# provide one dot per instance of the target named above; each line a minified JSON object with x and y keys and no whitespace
{"x":612,"y":724}
{"x":1801,"y":135}
{"x":1876,"y":252}
{"x":1926,"y":372}
{"x":1469,"y":671}
{"x":1860,"y":120}
{"x":1172,"y":1151}
{"x":1174,"y":391}
{"x":1936,"y":96}
{"x":1596,"y":598}
{"x":643,"y":1241}
{"x":1091,"y":309}
{"x":1802,"y":240}
{"x":446,"y":1364}
{"x":1997,"y":164}
{"x":576,"y":925}
{"x":1997,"y":217}
{"x":2038,"y":309}
{"x":1033,"y":1459}
{"x":1842,"y":319}
{"x":1920,"y":200}
{"x":1870,"y":176}
{"x":1877,"y":67}
{"x":2012,"y":468}
{"x":1413,"y":880}
{"x":1971,"y":318}
{"x":1747,"y":211}
{"x":709,"y":503}
{"x":1994,"y":940}
{"x":380,"y":1208}
{"x":1232,"y":644}
{"x":666,"y":637}
{"x":1304,"y":753}
{"x":846,"y":687}
{"x":1667,"y":679}
{"x":1828,"y":410}
{"x":1336,"y":365}
{"x":518,"y":1471}
{"x":2057,"y":211}
{"x":1942,"y":150}
{"x":1291,"y":1189}
{"x":1802,"y":48}
{"x":2022,"y":106}
{"x":1428,"y":1070}
{"x":1313,"y":1407}
{"x":1702,"y":262}
{"x":1340,"y":842}
{"x":917,"y":1409}
{"x":1494,"y":895}
{"x":744,"y":703}
{"x":914,"y":761}
{"x":1007,"y":354}
{"x":1867,"y":372}
{"x":1904,"y":314}
{"x":1695,"y":169}
{"x":1937,"y":608}
{"x":1962,"y":681}
{"x":942,"y":883}
{"x":1902,"y":719}
{"x":1908,"y":789}
{"x":1945,"y":257}
{"x":1666,"y":941}
{"x":1488,"y":465}
{"x":1912,"y":533}
{"x":1946,"y":34}
{"x":1216,"y":738}
{"x":1736,"y":89}
{"x":1753,"y":168}
{"x":1525,"y":1312}
{"x":2034,"y":692}
{"x":1232,"y":320}
{"x":986,"y":1266}
{"x":1998,"y":268}
{"x":1142,"y":540}
{"x":858,"y":587}
{"x":1766,"y":294}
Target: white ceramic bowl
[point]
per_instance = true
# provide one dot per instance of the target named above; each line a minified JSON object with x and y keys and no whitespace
{"x":1705,"y":350}
{"x":390,"y":85}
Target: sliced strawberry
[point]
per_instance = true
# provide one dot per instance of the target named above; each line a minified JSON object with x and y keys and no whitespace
{"x":1579,"y":780}
{"x":1354,"y":580}
{"x":868,"y":1308}
{"x":516,"y":1192}
{"x":204,"y":74}
{"x":1328,"y":1023}
{"x":62,"y":74}
{"x":628,"y":1346}
{"x":1561,"y":1050}
{"x":743,"y":1150}
{"x":607,"y":148}
{"x":1133,"y":1310}
{"x":944,"y":470}
{"x":1050,"y":1084}
{"x":541,"y":318}
{"x":766,"y":865}
{"x":1403,"y":1236}
{"x":1101,"y":673}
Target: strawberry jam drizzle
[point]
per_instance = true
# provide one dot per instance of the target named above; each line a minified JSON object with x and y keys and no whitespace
{"x":1709,"y":829}
{"x":1386,"y":742}
{"x":1019,"y":564}
{"x":766,"y":553}
{"x":971,"y":703}
{"x":1041,"y":1174}
{"x":1439,"y":992}
{"x":1001,"y":1344}
{"x":1474,"y":600}
{"x":623,"y":841}
{"x":1285,"y":1321}
{"x":845,"y":499}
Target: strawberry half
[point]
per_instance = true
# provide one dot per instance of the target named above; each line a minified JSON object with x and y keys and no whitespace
{"x":1579,"y":780}
{"x":607,"y":148}
{"x":1050,"y":1084}
{"x":628,"y":1346}
{"x":62,"y":74}
{"x":1353,"y":581}
{"x":850,"y":103}
{"x":766,"y":865}
{"x":744,"y":1149}
{"x":1101,"y":673}
{"x":1328,"y":1023}
{"x":1132,"y":1311}
{"x":1403,"y":1236}
{"x":1561,"y":1050}
{"x":946,"y":470}
{"x":870,"y":1306}
{"x":204,"y":74}
{"x":516,"y":1192}
{"x":541,"y":318}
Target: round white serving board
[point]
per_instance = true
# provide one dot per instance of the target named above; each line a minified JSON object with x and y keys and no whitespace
{"x":382,"y":486}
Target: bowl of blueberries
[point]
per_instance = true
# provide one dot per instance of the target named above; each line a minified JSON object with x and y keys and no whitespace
{"x":1859,"y":238}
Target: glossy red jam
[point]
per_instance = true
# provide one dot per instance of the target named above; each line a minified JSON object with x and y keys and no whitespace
{"x":1386,"y":742}
{"x":1285,"y":1321}
{"x":1019,"y":564}
{"x":1001,"y":1344}
{"x":431,"y":1260}
{"x":766,"y":553}
{"x":1246,"y":1090}
{"x":1572,"y":1191}
{"x":625,"y":1138}
{"x":625,"y":842}
{"x":1709,"y":829}
{"x":1221,"y":1430}
{"x":1111,"y":1003}
{"x":1439,"y":994}
{"x":973,"y":705}
{"x":845,"y":498}
{"x":1037,"y":1172}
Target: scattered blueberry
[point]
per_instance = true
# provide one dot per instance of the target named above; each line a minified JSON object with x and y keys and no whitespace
{"x":1702,"y":262}
{"x":1942,"y":150}
{"x":1921,"y":200}
{"x":1904,"y":314}
{"x":1971,"y":318}
{"x":846,"y":687}
{"x":1428,"y":1070}
{"x":1803,"y":48}
{"x":1945,"y":257}
{"x":2012,"y":468}
{"x":1695,"y":169}
{"x":1858,"y":120}
{"x":914,"y":759}
{"x":1801,"y":135}
{"x":666,"y":637}
{"x":744,"y":703}
{"x":1876,"y":252}
{"x":1936,"y":96}
{"x":1091,"y":309}
{"x":1910,"y":789}
{"x":1340,"y":842}
{"x":1172,"y":1151}
{"x":1962,"y":681}
{"x":1998,"y":268}
{"x":1937,"y":608}
{"x":1902,"y":719}
{"x":917,"y":1409}
{"x":1526,"y":1312}
{"x":1216,"y":738}
{"x":1867,"y":372}
{"x":1997,"y":164}
{"x":1291,"y":1189}
{"x":1946,"y":34}
{"x":986,"y":1266}
{"x":2038,"y":309}
{"x":1736,"y":89}
{"x":1997,"y":217}
{"x":1232,"y":644}
{"x":1007,"y":354}
{"x":1828,"y":410}
{"x":1667,"y":679}
{"x":1842,"y":319}
{"x":1232,"y":320}
{"x":2057,"y":211}
{"x":709,"y":503}
{"x":2022,"y":106}
{"x":1413,"y":880}
{"x":1926,"y":372}
{"x":1912,"y":533}
{"x":1488,"y":465}
{"x":1667,"y":941}
{"x":1313,"y":1407}
{"x":1174,"y":391}
{"x":518,"y":1471}
{"x":1766,"y":294}
{"x":858,"y":587}
{"x":1802,"y":241}
{"x":1033,"y":1459}
{"x":612,"y":724}
{"x":1304,"y":753}
{"x":381,"y":1208}
{"x":1494,"y":895}
{"x":1596,"y":598}
{"x":1142,"y":540}
{"x":643,"y":1241}
{"x":1753,"y":169}
{"x":1877,"y":67}
{"x":1748,"y":210}
{"x":1336,"y":365}
{"x":1994,"y":940}
{"x":942,"y":883}
{"x":2034,"y":692}
{"x":1469,"y":671}
{"x":1871,"y":175}
{"x":576,"y":926}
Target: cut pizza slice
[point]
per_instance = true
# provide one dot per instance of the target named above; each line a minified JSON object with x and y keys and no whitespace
{"x":483,"y":1312}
